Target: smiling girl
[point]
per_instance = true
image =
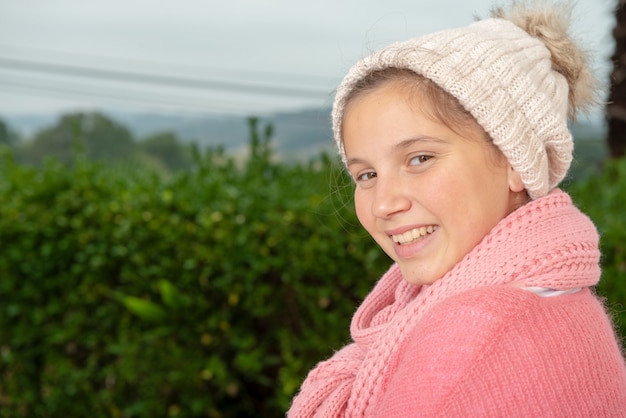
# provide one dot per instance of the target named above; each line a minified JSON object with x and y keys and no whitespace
{"x":456,"y":142}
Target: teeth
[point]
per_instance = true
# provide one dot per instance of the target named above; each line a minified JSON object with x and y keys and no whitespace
{"x":414,"y":234}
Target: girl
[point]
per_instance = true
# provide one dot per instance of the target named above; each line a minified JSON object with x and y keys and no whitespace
{"x":456,"y":142}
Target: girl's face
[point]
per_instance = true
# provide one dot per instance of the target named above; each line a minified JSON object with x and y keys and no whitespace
{"x":425,"y":193}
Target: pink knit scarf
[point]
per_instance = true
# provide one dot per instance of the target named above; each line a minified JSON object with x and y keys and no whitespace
{"x":546,"y":243}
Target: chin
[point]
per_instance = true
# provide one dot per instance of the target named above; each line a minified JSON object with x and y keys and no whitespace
{"x":418,"y":279}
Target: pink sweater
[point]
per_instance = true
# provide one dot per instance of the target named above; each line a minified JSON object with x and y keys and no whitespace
{"x":475,"y":343}
{"x":506,"y":352}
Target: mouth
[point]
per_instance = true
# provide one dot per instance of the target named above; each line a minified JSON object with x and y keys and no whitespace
{"x":413,"y":235}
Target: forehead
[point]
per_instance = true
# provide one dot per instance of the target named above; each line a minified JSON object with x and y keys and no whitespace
{"x":385,"y":116}
{"x":391,"y":92}
{"x":419,"y":92}
{"x":419,"y":96}
{"x":400,"y":107}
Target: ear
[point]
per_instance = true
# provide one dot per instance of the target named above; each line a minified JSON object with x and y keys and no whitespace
{"x":515,"y":181}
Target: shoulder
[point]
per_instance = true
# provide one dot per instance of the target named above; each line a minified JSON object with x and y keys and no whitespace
{"x":473,"y":315}
{"x":478,"y":348}
{"x":451,"y":341}
{"x":497,"y":302}
{"x":492,"y":307}
{"x":509,"y":318}
{"x":453,"y":335}
{"x":461,"y":326}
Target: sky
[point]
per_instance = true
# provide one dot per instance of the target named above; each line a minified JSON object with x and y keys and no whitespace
{"x":236,"y":57}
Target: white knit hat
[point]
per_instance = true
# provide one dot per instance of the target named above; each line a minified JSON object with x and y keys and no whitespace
{"x":520,"y":81}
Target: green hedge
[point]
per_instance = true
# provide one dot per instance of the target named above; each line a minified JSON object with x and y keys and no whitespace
{"x":602,"y":196}
{"x":208,"y":293}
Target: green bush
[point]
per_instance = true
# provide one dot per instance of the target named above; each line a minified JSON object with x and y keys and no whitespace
{"x":603,"y":197}
{"x":209,"y":293}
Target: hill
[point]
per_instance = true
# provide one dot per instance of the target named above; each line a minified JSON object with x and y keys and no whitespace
{"x":298,"y":134}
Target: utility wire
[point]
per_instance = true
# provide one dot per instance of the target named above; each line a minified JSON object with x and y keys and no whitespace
{"x":126,"y":62}
{"x":145,"y":78}
{"x":138,"y":98}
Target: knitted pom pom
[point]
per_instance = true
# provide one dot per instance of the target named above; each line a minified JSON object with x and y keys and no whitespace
{"x":549,"y":23}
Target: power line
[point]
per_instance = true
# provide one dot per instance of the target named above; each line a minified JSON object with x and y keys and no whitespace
{"x":144,"y":99}
{"x":158,"y":79}
{"x":127,"y":62}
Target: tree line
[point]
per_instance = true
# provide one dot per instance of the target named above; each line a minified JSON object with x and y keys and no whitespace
{"x":97,"y":137}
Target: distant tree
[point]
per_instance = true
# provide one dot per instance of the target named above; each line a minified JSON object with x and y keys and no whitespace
{"x":166,"y":148}
{"x":7,"y":137}
{"x":616,"y":108}
{"x":93,"y":135}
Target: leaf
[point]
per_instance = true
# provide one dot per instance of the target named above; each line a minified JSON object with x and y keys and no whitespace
{"x":171,"y":296}
{"x":143,"y":308}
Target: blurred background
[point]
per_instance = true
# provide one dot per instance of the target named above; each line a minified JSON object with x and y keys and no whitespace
{"x":178,"y":237}
{"x":198,"y":67}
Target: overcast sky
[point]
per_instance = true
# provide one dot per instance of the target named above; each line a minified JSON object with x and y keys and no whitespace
{"x":209,"y":56}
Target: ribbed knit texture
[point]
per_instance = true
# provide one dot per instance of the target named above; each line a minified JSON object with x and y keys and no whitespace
{"x":546,"y":243}
{"x":503,"y":77}
{"x":501,"y":351}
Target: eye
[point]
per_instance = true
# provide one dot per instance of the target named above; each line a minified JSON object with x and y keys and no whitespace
{"x":365,"y":176}
{"x":419,"y":159}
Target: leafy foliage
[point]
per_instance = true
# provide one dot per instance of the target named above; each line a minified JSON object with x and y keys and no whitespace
{"x":97,"y":137}
{"x":94,"y":135}
{"x":8,"y":138}
{"x":209,"y":292}
{"x":165,"y":148}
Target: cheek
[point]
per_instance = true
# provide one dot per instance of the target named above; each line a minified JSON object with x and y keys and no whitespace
{"x":362,"y":209}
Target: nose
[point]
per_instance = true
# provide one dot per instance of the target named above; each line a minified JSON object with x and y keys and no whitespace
{"x":390,"y":198}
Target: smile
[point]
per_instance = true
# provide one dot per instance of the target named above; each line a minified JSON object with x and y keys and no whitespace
{"x":414,"y":234}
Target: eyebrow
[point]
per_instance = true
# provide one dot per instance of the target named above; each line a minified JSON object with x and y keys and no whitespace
{"x":352,"y":161}
{"x":400,"y":146}
{"x":410,"y":141}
